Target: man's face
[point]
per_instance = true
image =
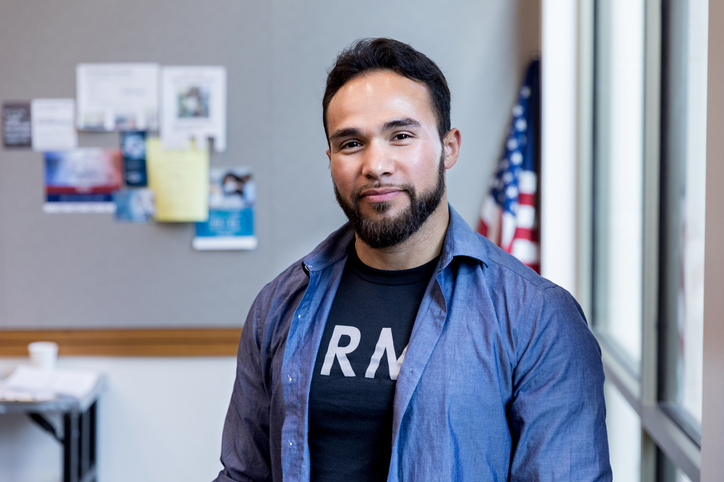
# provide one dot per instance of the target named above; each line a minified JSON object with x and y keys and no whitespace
{"x":387,"y":161}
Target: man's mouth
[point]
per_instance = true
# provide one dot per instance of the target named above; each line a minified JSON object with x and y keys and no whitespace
{"x":380,"y":194}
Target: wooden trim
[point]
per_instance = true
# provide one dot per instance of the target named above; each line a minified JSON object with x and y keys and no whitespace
{"x":155,"y":342}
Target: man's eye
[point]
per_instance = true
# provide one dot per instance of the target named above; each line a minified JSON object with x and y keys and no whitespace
{"x":401,"y":137}
{"x":350,"y":145}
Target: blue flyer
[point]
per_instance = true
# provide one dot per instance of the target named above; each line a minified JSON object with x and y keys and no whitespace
{"x":135,"y":205}
{"x":133,"y":146}
{"x":232,"y":198}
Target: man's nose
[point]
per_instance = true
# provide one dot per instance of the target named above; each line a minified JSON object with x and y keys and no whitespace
{"x":377,"y":161}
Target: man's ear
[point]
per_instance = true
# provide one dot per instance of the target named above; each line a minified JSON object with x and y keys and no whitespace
{"x":451,"y":147}
{"x":329,"y":156}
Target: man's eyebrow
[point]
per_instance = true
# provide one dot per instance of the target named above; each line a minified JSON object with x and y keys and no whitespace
{"x":344,"y":133}
{"x":394,"y":124}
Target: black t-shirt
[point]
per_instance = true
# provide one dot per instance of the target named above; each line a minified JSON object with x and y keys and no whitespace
{"x":353,"y":384}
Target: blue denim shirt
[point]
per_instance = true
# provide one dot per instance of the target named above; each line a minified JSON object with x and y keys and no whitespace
{"x":502,"y":379}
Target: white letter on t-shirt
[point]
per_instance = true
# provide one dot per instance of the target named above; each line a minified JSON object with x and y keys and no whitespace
{"x":340,"y":352}
{"x":385,"y":344}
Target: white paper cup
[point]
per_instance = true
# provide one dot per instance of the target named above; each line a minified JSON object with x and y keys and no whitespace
{"x":43,"y":354}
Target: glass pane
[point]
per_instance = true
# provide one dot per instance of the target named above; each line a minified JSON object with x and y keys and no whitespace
{"x":683,"y":201}
{"x":624,"y":436}
{"x":666,"y":470}
{"x":618,"y":173}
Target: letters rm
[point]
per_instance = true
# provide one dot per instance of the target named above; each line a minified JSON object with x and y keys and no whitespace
{"x":385,"y":346}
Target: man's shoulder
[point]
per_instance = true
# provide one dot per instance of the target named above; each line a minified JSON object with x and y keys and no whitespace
{"x":463,"y":241}
{"x":534,"y":305}
{"x":509,"y":273}
{"x":505,"y":265}
{"x":507,"y":279}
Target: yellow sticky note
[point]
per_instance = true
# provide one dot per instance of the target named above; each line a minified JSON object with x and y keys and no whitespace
{"x":180,"y":182}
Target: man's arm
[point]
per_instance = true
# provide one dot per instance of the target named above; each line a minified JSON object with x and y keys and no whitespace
{"x":245,"y":443}
{"x":557,"y":415}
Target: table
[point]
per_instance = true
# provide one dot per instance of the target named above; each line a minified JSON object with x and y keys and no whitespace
{"x":79,"y":429}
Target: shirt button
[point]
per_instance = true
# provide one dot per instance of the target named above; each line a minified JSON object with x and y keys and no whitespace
{"x":291,"y":443}
{"x":290,"y":378}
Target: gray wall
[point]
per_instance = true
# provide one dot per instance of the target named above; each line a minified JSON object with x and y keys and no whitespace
{"x":85,"y":271}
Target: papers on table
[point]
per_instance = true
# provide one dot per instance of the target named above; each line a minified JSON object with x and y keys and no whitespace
{"x":28,"y":383}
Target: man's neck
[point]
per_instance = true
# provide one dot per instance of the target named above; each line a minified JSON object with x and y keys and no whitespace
{"x":422,"y":246}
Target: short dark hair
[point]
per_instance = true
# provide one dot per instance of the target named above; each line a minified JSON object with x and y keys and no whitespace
{"x":375,"y":54}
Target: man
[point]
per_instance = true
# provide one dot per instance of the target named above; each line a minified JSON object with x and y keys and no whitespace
{"x":406,"y":346}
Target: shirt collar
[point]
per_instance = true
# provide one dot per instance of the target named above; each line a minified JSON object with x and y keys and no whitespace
{"x":461,"y":240}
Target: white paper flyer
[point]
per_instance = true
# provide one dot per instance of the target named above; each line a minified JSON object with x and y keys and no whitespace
{"x":117,"y":97}
{"x":193,"y":107}
{"x":52,"y":124}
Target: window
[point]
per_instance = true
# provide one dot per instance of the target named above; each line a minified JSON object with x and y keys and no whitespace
{"x":618,"y":176}
{"x":683,"y":176}
{"x":649,"y":172}
{"x":624,"y":436}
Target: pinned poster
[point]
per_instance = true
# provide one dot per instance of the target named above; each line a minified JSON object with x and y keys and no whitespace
{"x":52,"y":124}
{"x":16,"y":124}
{"x":193,"y":107}
{"x":117,"y":97}
{"x":133,"y":146}
{"x":179,"y":180}
{"x":135,"y":205}
{"x":82,"y":180}
{"x":232,"y":197}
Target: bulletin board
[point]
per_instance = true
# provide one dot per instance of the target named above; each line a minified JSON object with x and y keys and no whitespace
{"x":102,"y":287}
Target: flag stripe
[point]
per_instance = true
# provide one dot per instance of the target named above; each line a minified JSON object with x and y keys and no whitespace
{"x":526,"y":199}
{"x":526,"y":251}
{"x":526,"y":234}
{"x":528,"y":182}
{"x":526,"y":217}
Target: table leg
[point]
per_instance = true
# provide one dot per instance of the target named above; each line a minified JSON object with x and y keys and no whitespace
{"x":79,"y":443}
{"x":71,"y":439}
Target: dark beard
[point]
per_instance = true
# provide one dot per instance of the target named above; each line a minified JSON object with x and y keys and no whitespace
{"x":390,"y":232}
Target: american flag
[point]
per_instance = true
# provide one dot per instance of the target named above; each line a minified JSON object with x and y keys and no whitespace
{"x":508,"y":216}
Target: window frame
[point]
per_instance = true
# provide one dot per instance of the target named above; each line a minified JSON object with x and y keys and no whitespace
{"x":660,"y":428}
